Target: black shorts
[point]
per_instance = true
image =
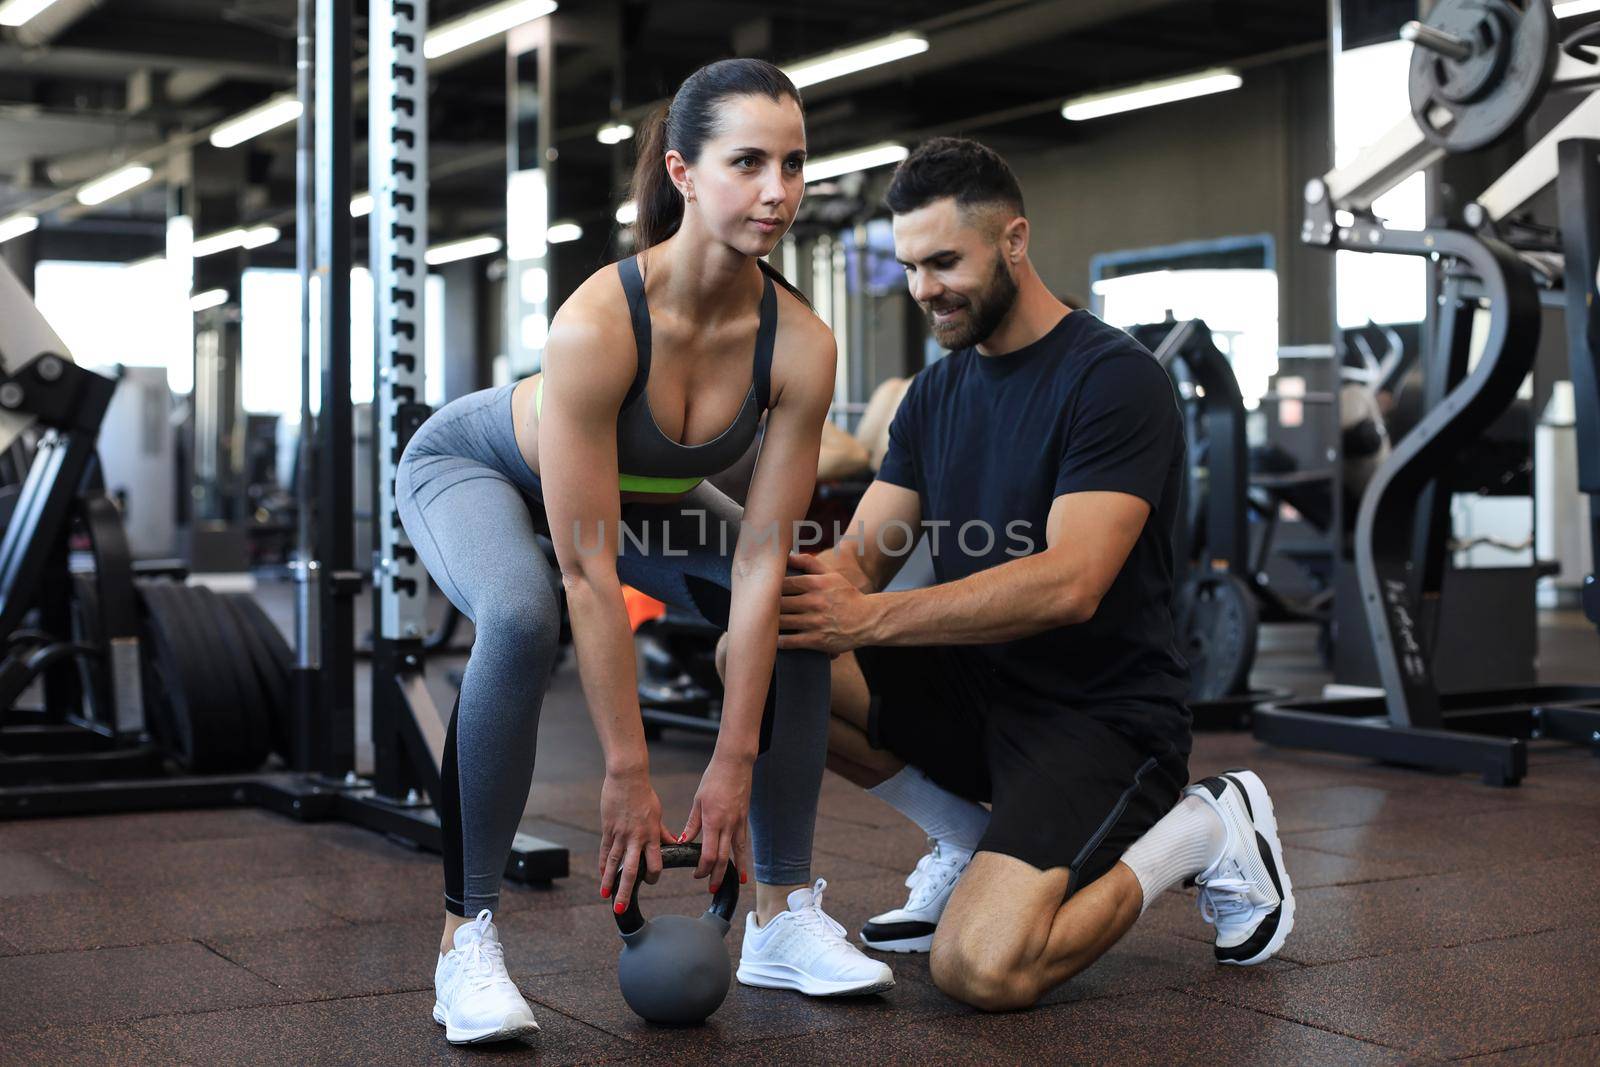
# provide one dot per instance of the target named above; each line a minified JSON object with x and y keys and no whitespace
{"x":1067,"y":789}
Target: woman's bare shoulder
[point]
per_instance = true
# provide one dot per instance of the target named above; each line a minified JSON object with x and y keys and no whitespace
{"x":595,"y":319}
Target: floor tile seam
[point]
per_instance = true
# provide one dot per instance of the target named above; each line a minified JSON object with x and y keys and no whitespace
{"x":295,"y":828}
{"x":1199,"y":994}
{"x":338,"y":923}
{"x":955,"y":1010}
{"x":255,"y":1006}
{"x":1445,"y":872}
{"x":255,"y":879}
{"x":1527,"y":1045}
{"x":215,"y":951}
{"x":1531,"y":808}
{"x":1490,"y":939}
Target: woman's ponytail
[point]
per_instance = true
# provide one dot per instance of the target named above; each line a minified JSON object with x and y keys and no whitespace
{"x":658,"y":201}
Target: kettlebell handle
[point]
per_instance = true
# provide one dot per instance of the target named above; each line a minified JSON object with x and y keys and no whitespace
{"x":722,"y":905}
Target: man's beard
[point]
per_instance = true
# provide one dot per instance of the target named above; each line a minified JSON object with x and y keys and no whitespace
{"x":985,"y":312}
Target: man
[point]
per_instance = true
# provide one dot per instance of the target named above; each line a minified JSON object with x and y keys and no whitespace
{"x":1039,"y":673}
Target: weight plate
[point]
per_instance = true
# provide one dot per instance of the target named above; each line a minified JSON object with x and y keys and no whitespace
{"x":272,"y":667}
{"x":219,"y":727}
{"x":257,"y":619}
{"x":196,"y":702}
{"x":255,"y":714}
{"x":1467,"y":104}
{"x":1217,"y":624}
{"x":164,"y":683}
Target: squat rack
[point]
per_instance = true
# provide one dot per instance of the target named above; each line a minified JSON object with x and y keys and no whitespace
{"x":407,"y":728}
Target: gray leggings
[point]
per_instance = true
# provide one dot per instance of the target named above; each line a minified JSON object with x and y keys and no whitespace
{"x":473,"y":509}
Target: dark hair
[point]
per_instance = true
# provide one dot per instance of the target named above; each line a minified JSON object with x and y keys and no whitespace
{"x":972,"y":173}
{"x":685,"y":126}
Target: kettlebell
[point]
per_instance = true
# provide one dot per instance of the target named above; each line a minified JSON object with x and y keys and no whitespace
{"x":675,"y":969}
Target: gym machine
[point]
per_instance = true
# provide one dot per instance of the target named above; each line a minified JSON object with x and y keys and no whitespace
{"x":1479,"y":71}
{"x":318,"y":708}
{"x":1219,"y":590}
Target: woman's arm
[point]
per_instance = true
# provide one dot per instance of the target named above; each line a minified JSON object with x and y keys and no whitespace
{"x":584,"y":387}
{"x":578,"y":465}
{"x":780,"y":494}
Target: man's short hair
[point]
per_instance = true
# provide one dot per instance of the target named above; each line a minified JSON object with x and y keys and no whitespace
{"x":973,"y":174}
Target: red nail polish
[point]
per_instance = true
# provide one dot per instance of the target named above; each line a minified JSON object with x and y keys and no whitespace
{"x":605,"y":892}
{"x":618,"y":909}
{"x":680,"y":838}
{"x":744,"y":879}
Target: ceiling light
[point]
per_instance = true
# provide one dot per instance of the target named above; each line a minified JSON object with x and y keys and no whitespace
{"x":259,"y":236}
{"x":114,"y":185}
{"x":1150,"y":94}
{"x":824,"y":167}
{"x":485,"y":22}
{"x":360,"y":204}
{"x":224,"y":241}
{"x":211,"y":298}
{"x":613,"y":133}
{"x":17,"y":12}
{"x":454,"y":250}
{"x":628,"y":213}
{"x":17,"y":225}
{"x":562,"y":232}
{"x":279,"y":111}
{"x":849,"y":60}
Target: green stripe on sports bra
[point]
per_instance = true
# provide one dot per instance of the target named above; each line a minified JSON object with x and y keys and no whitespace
{"x":631,"y":483}
{"x":639,"y":483}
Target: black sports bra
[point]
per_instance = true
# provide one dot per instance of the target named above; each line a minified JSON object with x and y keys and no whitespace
{"x":649,"y":460}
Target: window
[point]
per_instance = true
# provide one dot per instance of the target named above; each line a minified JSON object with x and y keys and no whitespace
{"x":1370,"y":96}
{"x":109,"y":313}
{"x":270,"y":328}
{"x":1240,"y":306}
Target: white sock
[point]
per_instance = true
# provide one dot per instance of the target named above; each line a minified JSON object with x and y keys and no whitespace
{"x":955,"y":822}
{"x":1187,"y":840}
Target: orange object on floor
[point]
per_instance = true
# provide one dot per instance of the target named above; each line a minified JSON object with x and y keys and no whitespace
{"x":641,"y":608}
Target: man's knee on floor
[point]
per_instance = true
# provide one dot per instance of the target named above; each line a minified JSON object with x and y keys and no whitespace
{"x":987,"y":980}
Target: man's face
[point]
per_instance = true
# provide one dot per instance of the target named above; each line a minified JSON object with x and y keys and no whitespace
{"x":956,"y":270}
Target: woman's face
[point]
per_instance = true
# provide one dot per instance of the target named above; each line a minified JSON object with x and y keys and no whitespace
{"x":749,"y":179}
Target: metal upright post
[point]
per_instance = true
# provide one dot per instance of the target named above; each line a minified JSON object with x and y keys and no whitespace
{"x":308,"y":596}
{"x":407,"y":739}
{"x":334,"y":740}
{"x":408,"y":732}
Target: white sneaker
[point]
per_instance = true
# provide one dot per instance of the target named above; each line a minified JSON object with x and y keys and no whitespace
{"x":1246,"y":893}
{"x":475,"y":1000}
{"x":910,"y":929}
{"x":804,"y":949}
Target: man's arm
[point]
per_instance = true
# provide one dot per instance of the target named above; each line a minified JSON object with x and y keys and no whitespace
{"x":1089,"y":536}
{"x":881,"y":534}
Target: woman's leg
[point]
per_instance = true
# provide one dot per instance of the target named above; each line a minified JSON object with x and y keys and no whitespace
{"x":473,"y":531}
{"x":684,"y":557}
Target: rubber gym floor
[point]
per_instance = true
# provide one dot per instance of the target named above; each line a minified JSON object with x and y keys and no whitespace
{"x":1439,"y":919}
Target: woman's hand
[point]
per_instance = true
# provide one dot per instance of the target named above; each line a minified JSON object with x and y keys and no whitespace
{"x":722,"y":811}
{"x":630,"y":827}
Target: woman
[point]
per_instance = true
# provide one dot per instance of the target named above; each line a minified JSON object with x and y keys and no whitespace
{"x":649,"y":385}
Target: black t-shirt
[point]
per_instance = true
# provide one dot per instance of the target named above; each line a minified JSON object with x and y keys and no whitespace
{"x":989,"y":442}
